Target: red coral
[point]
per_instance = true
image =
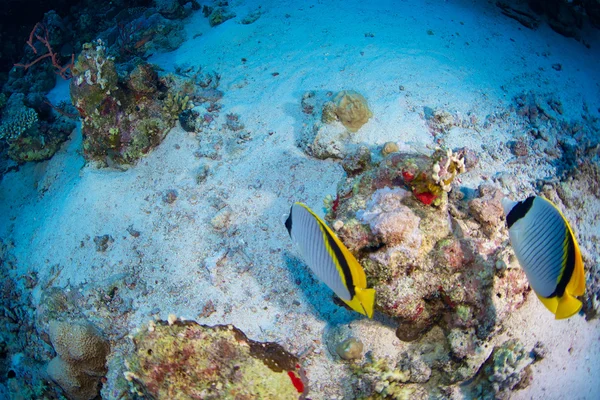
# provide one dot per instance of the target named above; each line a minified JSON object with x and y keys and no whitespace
{"x":407,"y":176}
{"x":335,"y":204}
{"x":296,"y":381}
{"x":63,"y":70}
{"x":426,"y":197}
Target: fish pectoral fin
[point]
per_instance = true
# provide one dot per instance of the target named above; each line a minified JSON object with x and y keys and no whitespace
{"x":568,"y":306}
{"x":363,"y":301}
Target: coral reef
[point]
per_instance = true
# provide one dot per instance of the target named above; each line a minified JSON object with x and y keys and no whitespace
{"x":220,"y":362}
{"x":431,"y":369}
{"x":220,"y":15}
{"x":140,"y":34}
{"x":425,"y":263}
{"x":439,"y":121}
{"x":81,"y":359}
{"x":429,"y":181}
{"x":22,"y":351}
{"x":377,"y":379}
{"x":30,"y":137}
{"x":124,"y":118}
{"x":507,"y":369}
{"x":63,"y":318}
{"x":431,"y":266}
{"x":564,"y":17}
{"x":324,"y":141}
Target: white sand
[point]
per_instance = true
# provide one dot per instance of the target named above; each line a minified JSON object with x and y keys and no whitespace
{"x":475,"y":60}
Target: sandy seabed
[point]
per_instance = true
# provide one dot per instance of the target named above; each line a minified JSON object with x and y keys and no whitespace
{"x":463,"y":57}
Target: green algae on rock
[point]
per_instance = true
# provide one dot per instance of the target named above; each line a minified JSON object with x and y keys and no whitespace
{"x":183,"y":359}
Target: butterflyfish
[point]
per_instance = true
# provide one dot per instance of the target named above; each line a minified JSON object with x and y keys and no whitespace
{"x":548,"y":252}
{"x":329,"y":259}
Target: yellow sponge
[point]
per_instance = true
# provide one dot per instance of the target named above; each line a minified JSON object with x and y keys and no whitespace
{"x":351,"y":109}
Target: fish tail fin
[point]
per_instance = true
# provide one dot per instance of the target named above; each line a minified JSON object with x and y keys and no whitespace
{"x":363,"y":301}
{"x":551,"y":303}
{"x":562,"y":307}
{"x":567,"y":306}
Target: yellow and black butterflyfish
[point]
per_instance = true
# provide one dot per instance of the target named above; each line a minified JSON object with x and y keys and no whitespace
{"x":548,"y":253}
{"x":329,"y":259}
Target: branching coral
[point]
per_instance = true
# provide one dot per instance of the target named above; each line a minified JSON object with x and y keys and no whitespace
{"x":18,"y":123}
{"x":430,"y":183}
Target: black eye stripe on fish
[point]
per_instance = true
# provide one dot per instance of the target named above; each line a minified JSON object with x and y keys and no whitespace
{"x":548,"y":253}
{"x":288,"y":223}
{"x":519,"y":211}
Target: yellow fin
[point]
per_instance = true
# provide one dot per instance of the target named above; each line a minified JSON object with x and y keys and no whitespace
{"x":562,"y":307}
{"x":363,"y":301}
{"x":567,"y":306}
{"x":576,"y":285}
{"x":551,"y":303}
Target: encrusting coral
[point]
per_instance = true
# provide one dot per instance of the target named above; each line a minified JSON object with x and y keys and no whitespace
{"x":188,"y":360}
{"x":350,"y":108}
{"x":81,"y":359}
